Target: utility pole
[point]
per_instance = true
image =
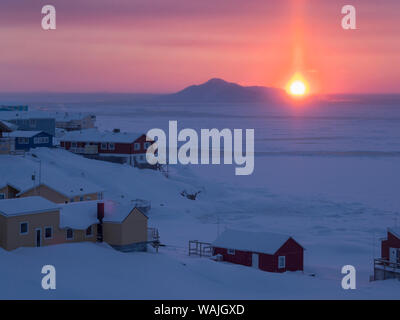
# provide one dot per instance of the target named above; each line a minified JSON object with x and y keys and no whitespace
{"x":217,"y":225}
{"x":35,"y":158}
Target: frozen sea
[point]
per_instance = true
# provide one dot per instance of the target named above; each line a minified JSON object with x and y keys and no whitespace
{"x":344,"y":147}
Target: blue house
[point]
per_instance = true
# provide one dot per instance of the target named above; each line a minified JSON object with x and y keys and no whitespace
{"x":26,"y":140}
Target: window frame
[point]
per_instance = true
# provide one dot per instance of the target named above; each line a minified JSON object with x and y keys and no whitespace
{"x":103,"y":146}
{"x":27,"y":228}
{"x":2,"y":196}
{"x":66,"y":234}
{"x":45,"y":236}
{"x":231,"y":252}
{"x":137,"y":146}
{"x":23,"y":140}
{"x":111,"y":148}
{"x":280,"y":264}
{"x":32,"y":123}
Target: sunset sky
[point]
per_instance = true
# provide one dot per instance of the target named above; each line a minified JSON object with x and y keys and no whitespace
{"x":165,"y":45}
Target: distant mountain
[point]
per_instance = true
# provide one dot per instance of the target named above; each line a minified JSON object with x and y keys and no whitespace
{"x":218,"y":90}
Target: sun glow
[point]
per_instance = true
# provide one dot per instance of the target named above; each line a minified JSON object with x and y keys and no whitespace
{"x":297,"y":86}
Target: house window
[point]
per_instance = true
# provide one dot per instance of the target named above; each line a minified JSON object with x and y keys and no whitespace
{"x":23,"y":228}
{"x":100,"y":196}
{"x":88,"y":198}
{"x":2,"y":196}
{"x":394,"y":255}
{"x":281,"y":262}
{"x":23,"y":140}
{"x":111,"y":146}
{"x":136,"y":146}
{"x":48,"y":232}
{"x":103,"y":146}
{"x":32,"y":123}
{"x":89,"y":232}
{"x":70,"y":234}
{"x":231,"y":251}
{"x":147,"y":145}
{"x":73,"y":145}
{"x":41,"y":140}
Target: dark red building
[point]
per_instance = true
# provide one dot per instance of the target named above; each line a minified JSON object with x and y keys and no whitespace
{"x":262,"y":250}
{"x":390,"y":247}
{"x":388,"y":265}
{"x":122,"y":147}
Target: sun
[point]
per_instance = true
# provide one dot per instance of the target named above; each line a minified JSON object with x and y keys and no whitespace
{"x":297,"y":88}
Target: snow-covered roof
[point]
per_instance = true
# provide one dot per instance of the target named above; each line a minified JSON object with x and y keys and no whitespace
{"x":7,"y":125}
{"x":80,"y":215}
{"x":18,"y":171}
{"x":93,"y":135}
{"x":70,"y":116}
{"x":395,"y":231}
{"x":262,"y":242}
{"x":28,"y":205}
{"x":23,"y":134}
{"x":13,"y":115}
{"x":67,"y":186}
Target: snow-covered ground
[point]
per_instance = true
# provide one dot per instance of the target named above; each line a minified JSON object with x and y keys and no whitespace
{"x":329,"y":176}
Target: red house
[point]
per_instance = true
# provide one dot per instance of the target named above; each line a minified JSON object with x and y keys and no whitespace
{"x":388,"y":265}
{"x":113,"y":146}
{"x":262,"y":250}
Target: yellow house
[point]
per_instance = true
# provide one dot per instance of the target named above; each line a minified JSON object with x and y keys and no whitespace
{"x":64,"y":194}
{"x":35,"y":222}
{"x":8,"y":191}
{"x":58,"y":190}
{"x":125,"y":228}
{"x":30,"y":177}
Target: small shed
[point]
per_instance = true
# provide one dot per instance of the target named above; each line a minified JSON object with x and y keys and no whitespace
{"x":266,"y":251}
{"x":388,"y":265}
{"x":25,"y":140}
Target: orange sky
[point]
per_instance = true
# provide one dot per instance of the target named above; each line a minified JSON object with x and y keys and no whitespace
{"x":164,"y":45}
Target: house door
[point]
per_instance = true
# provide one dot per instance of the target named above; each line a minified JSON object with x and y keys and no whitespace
{"x":394,"y":256}
{"x":254,"y":260}
{"x":38,"y":237}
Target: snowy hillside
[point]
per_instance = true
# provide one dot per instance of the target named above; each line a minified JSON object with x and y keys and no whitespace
{"x":334,"y":234}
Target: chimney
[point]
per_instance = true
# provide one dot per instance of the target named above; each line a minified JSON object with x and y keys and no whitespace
{"x":100,"y":216}
{"x":100,"y":211}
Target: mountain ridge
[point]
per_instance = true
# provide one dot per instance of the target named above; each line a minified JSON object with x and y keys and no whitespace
{"x":219,"y":90}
